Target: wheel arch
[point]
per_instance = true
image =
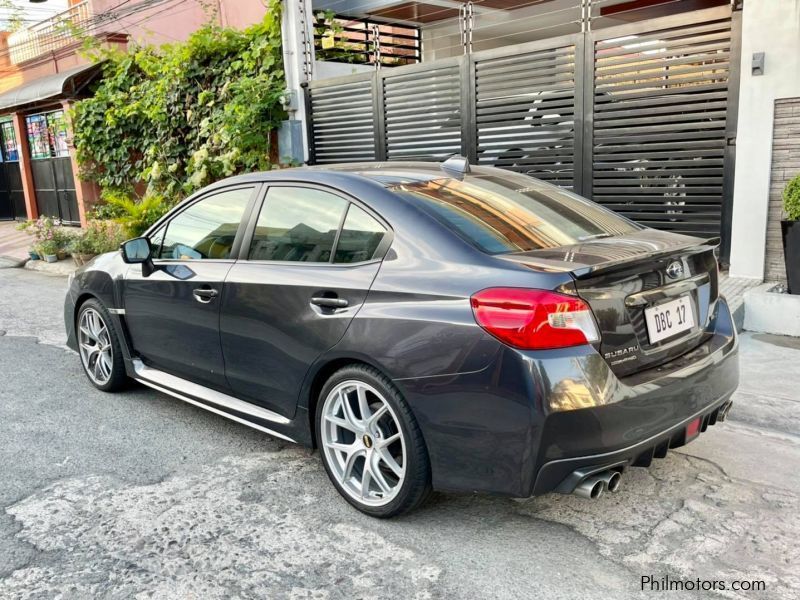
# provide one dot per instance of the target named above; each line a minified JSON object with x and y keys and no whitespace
{"x":319,"y":375}
{"x":117,"y":322}
{"x":81,"y":299}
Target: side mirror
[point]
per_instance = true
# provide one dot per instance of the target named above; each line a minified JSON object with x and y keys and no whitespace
{"x":137,"y":251}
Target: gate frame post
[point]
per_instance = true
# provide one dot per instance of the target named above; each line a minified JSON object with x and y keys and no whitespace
{"x":28,"y":190}
{"x":469,"y":126}
{"x":85,"y":191}
{"x":584,"y":98}
{"x":731,"y":128}
{"x":379,"y":116}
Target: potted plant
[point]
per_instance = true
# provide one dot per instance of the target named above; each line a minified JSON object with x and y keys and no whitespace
{"x":63,"y":240}
{"x":49,"y":248}
{"x":32,"y":253}
{"x":791,"y":234}
{"x":45,"y":229}
{"x":82,"y":248}
{"x":100,"y":236}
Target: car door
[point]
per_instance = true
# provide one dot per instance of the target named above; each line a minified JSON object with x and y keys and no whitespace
{"x":309,"y":259}
{"x":173,"y":313}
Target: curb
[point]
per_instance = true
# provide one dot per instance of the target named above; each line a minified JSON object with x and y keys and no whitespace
{"x":62,"y":268}
{"x":12,"y":262}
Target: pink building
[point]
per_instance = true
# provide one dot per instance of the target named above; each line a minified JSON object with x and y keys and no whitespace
{"x":42,"y":71}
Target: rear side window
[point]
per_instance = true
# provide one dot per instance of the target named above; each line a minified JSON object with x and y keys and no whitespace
{"x":207,"y":229}
{"x":298,"y":225}
{"x":360,"y":238}
{"x":513,"y":213}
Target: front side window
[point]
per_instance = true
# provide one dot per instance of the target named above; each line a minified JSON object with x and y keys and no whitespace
{"x":205,"y":230}
{"x":298,"y":225}
{"x":156,"y":240}
{"x":360,"y":238}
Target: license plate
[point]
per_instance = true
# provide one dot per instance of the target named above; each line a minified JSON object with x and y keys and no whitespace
{"x":669,"y":319}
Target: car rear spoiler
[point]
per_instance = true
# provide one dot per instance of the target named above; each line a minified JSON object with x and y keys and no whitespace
{"x":568,"y":260}
{"x":611,"y":266}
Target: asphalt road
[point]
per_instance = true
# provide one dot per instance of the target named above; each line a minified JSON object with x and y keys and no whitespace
{"x":138,"y":494}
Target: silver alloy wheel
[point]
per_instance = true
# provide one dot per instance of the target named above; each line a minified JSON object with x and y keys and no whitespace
{"x":94,"y":342}
{"x":363,"y":443}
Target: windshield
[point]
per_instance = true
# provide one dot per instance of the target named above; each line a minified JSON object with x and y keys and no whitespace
{"x":513,"y":213}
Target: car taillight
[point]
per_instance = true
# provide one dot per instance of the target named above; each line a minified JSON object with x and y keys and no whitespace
{"x":534,"y":319}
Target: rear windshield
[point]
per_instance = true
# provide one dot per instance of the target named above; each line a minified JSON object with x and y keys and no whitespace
{"x":512,"y":213}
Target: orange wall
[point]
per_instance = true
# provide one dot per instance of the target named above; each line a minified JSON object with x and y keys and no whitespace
{"x":174,"y":21}
{"x":164,"y":23}
{"x":10,"y":75}
{"x":242,"y":13}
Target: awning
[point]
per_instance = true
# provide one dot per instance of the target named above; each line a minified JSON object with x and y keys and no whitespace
{"x":66,"y":84}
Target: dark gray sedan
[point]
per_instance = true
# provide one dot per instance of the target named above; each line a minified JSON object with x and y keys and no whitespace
{"x":426,"y":326}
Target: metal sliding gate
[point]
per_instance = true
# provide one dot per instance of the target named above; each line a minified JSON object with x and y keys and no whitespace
{"x":640,"y":117}
{"x":51,"y":166}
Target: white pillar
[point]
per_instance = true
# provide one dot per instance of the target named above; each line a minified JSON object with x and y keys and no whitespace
{"x":773,"y":28}
{"x":298,"y":56}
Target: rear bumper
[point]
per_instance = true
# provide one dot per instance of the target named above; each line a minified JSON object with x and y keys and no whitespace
{"x":524,"y":424}
{"x":564,"y":475}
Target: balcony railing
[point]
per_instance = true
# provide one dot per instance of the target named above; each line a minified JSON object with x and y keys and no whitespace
{"x":49,"y":35}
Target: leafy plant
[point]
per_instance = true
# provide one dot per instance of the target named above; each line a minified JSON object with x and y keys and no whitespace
{"x":135,"y":216}
{"x":42,"y":229}
{"x":105,"y":211}
{"x":791,"y":199}
{"x":46,"y":229}
{"x":63,"y":236}
{"x":327,"y":26}
{"x":82,"y":244}
{"x":186,"y":114}
{"x":48,"y":247}
{"x":99,"y":237}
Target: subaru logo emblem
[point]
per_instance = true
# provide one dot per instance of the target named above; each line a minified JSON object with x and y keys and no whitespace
{"x":674,"y":270}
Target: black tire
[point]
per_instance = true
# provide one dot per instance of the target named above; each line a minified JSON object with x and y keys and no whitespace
{"x":118,"y":378}
{"x":416,"y":485}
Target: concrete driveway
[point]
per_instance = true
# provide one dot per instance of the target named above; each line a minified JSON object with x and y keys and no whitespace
{"x":138,"y":494}
{"x":13,"y":244}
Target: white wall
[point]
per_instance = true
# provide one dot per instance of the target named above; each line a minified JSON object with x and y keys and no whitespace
{"x":772,"y":27}
{"x":324,"y":69}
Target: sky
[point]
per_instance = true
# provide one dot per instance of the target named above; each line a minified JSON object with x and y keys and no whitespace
{"x":30,"y":12}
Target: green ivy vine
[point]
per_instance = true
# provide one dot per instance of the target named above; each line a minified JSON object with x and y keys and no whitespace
{"x":181,"y":116}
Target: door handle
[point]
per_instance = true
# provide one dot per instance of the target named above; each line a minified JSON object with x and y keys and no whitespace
{"x":329,"y":302}
{"x":204,"y":294}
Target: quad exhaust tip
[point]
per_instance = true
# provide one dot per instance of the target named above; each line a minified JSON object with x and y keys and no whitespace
{"x":613,"y":480}
{"x":593,"y":487}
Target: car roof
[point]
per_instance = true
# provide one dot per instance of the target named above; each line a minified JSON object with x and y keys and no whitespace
{"x":387,"y":174}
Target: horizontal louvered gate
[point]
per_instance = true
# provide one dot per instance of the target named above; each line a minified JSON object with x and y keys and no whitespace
{"x":342,"y":119}
{"x":422,"y":110}
{"x":660,"y":107}
{"x":525,"y":112}
{"x":640,"y":117}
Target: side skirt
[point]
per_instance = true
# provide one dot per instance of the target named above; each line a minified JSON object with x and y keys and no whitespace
{"x":211,"y":400}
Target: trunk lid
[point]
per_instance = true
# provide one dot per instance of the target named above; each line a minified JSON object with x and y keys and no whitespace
{"x":622,"y":276}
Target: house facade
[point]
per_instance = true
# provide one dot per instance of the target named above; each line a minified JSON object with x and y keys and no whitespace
{"x":681,"y":115}
{"x":43,"y":70}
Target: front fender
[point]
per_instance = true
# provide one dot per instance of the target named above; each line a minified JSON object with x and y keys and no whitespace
{"x":102,"y":279}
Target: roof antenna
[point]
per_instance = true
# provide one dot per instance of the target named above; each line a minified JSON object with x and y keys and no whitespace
{"x":456,"y":165}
